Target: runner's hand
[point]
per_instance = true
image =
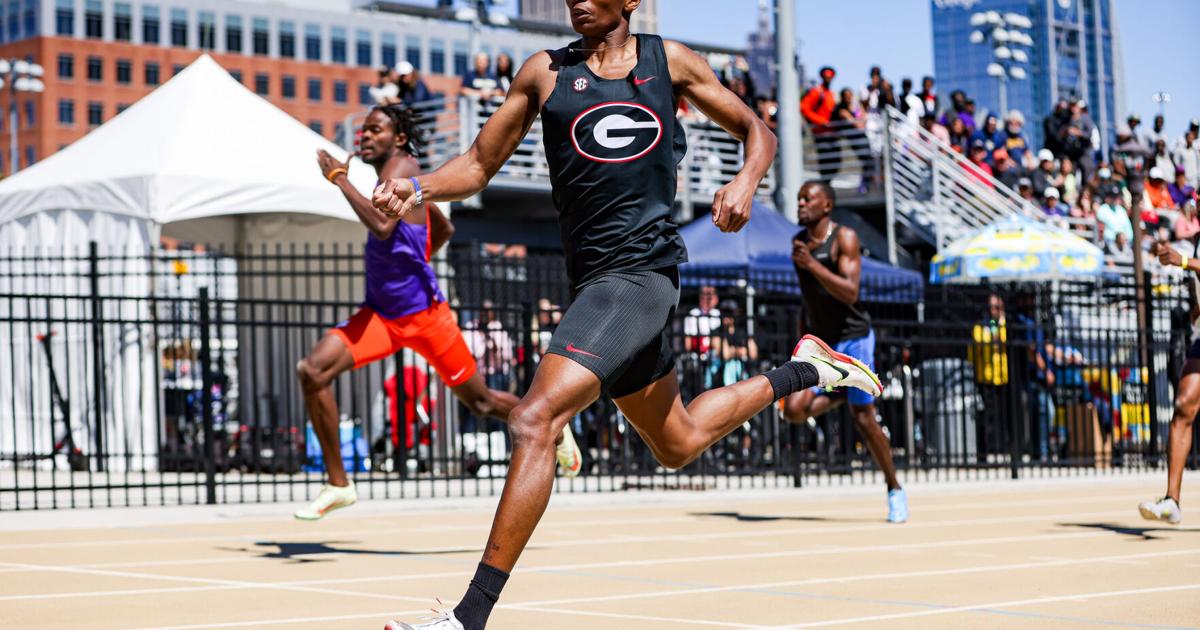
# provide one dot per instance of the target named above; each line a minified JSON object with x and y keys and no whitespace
{"x":328,"y":163}
{"x":1167,"y":255}
{"x":731,"y":205}
{"x":394,"y":197}
{"x":801,"y":255}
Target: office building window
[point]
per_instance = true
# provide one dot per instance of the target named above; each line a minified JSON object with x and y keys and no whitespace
{"x":236,"y":74}
{"x":122,"y":21}
{"x":339,"y":92}
{"x":151,"y":25}
{"x":387,"y":49}
{"x":233,"y":33}
{"x":287,"y":39}
{"x":95,"y":114}
{"x":29,"y":155}
{"x":93,"y":19}
{"x":287,"y":86}
{"x":29,"y":114}
{"x":262,"y":37}
{"x":29,"y":17}
{"x":262,"y":84}
{"x":152,"y":73}
{"x":316,"y":126}
{"x":64,"y":17}
{"x":312,"y":42}
{"x":95,"y":69}
{"x":314,"y":90}
{"x":66,"y":66}
{"x":177,"y":68}
{"x":122,"y":107}
{"x":362,"y":48}
{"x":364,"y":94}
{"x":66,"y":112}
{"x":179,"y":27}
{"x":124,"y":71}
{"x":437,"y":56}
{"x":206,"y":30}
{"x":337,"y":44}
{"x":412,"y":51}
{"x":460,"y":58}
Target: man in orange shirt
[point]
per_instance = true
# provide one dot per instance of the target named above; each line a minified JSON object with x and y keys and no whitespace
{"x":817,"y":109}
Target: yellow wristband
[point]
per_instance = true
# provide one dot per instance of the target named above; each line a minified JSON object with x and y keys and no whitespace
{"x":1184,"y":263}
{"x":335,"y":172}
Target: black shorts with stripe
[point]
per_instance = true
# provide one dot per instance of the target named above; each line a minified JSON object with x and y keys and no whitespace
{"x":617,"y":326}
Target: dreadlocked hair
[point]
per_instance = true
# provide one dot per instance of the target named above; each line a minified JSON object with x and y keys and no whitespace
{"x":405,"y":122}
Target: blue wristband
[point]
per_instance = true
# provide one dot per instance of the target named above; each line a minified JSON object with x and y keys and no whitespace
{"x":417,"y":192}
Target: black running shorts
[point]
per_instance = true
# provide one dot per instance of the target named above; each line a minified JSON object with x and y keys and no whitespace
{"x":617,"y":327}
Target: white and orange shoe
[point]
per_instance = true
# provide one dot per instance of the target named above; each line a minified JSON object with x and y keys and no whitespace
{"x":570,"y":458}
{"x":329,"y":499}
{"x":836,"y":369}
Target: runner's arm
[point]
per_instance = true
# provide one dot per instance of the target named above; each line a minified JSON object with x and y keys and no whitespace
{"x":842,"y":285}
{"x":440,"y":229}
{"x":696,"y":81}
{"x":377,"y":222}
{"x":469,"y":173}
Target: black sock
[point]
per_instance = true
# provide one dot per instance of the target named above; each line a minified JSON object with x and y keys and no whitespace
{"x":473,"y":609}
{"x":793,"y":376}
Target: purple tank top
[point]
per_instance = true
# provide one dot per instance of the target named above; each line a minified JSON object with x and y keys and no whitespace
{"x":399,"y":279}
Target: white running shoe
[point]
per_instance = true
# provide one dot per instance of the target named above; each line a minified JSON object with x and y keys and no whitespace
{"x":835,"y":368}
{"x":1164,"y":509}
{"x":329,"y":499}
{"x":570,"y":458}
{"x":444,"y":620}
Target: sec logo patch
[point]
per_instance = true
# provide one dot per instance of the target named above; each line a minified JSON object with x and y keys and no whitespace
{"x":581,"y":84}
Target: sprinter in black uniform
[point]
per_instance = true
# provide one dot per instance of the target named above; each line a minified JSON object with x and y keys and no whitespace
{"x":608,"y":105}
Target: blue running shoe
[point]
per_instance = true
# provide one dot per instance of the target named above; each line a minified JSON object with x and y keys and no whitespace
{"x":897,"y":506}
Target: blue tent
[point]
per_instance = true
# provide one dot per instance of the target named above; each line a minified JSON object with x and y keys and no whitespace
{"x":761,"y":254}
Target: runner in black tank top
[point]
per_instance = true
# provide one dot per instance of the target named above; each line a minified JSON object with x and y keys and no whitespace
{"x":828,"y":262}
{"x":613,"y":144}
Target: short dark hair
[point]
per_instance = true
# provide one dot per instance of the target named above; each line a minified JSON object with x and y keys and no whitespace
{"x":825,"y":189}
{"x":405,"y":121}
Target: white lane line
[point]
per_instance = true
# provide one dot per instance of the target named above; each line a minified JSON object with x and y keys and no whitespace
{"x":272,"y":622}
{"x":597,"y":521}
{"x":593,"y":613}
{"x":1014,"y":603}
{"x":859,"y":578}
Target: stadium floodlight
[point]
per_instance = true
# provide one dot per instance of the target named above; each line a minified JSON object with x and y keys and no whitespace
{"x":35,"y":70}
{"x":995,"y":70}
{"x":466,"y":14}
{"x":498,"y":19}
{"x":1017,"y":73}
{"x":18,"y":75}
{"x":5,"y":66}
{"x":1018,"y":20}
{"x":21,"y":66}
{"x":1000,"y":35}
{"x":979,"y":19}
{"x":1019,"y":56}
{"x":977,"y":37}
{"x":1002,"y":52}
{"x":993,"y":17}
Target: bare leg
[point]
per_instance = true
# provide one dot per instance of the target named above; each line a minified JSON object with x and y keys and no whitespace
{"x":561,"y":389}
{"x":329,"y":358}
{"x":801,"y":406}
{"x":677,"y":434}
{"x":1187,"y":401}
{"x":488,"y":402}
{"x":877,"y":442}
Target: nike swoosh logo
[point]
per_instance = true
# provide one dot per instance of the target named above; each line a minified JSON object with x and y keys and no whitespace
{"x":458,"y":374}
{"x":571,"y":348}
{"x":844,"y":373}
{"x":637,"y":81}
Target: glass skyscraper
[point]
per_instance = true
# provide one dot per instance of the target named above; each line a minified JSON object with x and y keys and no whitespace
{"x":1076,"y":53}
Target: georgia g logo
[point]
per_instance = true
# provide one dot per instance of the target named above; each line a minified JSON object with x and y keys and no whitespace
{"x":616,"y":132}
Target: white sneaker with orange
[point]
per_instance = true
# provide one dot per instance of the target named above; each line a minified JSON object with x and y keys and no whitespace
{"x":570,"y":458}
{"x":836,"y":369}
{"x":329,"y":499}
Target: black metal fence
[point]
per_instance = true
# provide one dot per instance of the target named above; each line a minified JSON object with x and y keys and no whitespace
{"x":168,"y":378}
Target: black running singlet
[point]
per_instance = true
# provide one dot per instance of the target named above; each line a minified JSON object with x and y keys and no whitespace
{"x":824,"y":315}
{"x":613,"y":146}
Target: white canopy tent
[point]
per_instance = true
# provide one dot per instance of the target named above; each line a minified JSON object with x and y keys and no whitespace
{"x":200,"y":151}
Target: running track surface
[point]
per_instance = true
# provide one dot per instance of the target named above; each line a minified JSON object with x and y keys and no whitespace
{"x":1068,"y":553}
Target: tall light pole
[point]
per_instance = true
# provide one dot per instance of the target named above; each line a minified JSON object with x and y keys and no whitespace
{"x":19,"y":76}
{"x":1007,"y":35}
{"x":790,"y":132}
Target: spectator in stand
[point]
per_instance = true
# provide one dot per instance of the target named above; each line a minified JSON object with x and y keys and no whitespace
{"x":1083,"y":107}
{"x":1133,"y":120}
{"x":702,"y":321}
{"x":1188,"y":224}
{"x":1052,"y":126}
{"x":1070,"y":181}
{"x":1158,"y":194}
{"x":851,"y":122}
{"x":1187,"y":153}
{"x":1015,"y":141}
{"x":387,"y":86}
{"x":1156,"y":133}
{"x":1008,"y":172}
{"x":968,"y":115}
{"x":1129,"y":159}
{"x":1075,"y":138}
{"x":990,"y":135}
{"x":480,"y":82}
{"x":909,"y":102}
{"x":817,"y":108}
{"x":504,"y":72}
{"x":412,"y":89}
{"x":1117,"y":252}
{"x":1104,"y":180}
{"x":978,"y":163}
{"x":1052,"y":204}
{"x":1161,"y":158}
{"x":738,"y":86}
{"x":1083,"y":207}
{"x":768,"y":110}
{"x":1181,"y":191}
{"x":1113,"y":217}
{"x":928,"y":96}
{"x":1046,"y":174}
{"x":878,"y":94}
{"x":929,"y":123}
{"x":960,"y":134}
{"x":1025,"y":189}
{"x":958,"y":109}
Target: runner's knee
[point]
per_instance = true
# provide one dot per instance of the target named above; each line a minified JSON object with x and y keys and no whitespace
{"x":532,"y":425}
{"x":311,"y":379}
{"x":795,"y":410}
